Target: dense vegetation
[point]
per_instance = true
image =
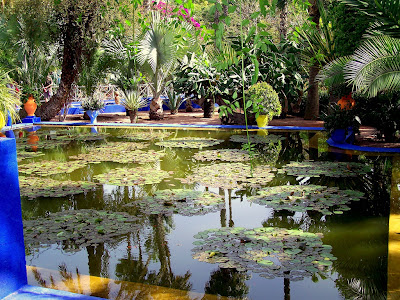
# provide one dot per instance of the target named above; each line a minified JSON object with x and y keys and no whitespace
{"x":311,"y":53}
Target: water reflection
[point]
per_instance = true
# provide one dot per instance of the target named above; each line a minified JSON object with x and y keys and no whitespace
{"x":150,"y":256}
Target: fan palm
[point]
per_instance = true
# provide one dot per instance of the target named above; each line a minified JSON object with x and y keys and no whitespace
{"x":163,"y":44}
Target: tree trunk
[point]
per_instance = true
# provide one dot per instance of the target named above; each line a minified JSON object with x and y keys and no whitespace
{"x":73,"y":47}
{"x":189,"y":107}
{"x":283,"y":23}
{"x":133,"y":115}
{"x":208,"y":107}
{"x":312,"y":104}
{"x":174,"y":111}
{"x":156,"y":109}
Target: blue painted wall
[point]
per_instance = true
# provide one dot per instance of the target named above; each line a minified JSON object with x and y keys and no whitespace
{"x":12,"y":250}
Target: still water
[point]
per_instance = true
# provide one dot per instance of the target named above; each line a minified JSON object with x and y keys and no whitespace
{"x":178,"y":209}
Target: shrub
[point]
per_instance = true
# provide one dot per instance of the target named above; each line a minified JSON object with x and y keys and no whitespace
{"x":264,"y":100}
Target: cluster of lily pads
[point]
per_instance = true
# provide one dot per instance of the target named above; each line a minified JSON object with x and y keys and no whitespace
{"x":180,"y":201}
{"x":269,"y":251}
{"x":257,"y":139}
{"x":190,"y":142}
{"x":78,"y":228}
{"x":46,"y":168}
{"x":87,"y":136}
{"x":145,"y":135}
{"x":21,"y":155}
{"x":230,"y":175}
{"x":41,"y":144}
{"x":33,"y":187}
{"x":223,"y":155}
{"x":330,"y":169}
{"x":133,"y":176}
{"x":326,"y":200}
{"x":120,"y":152}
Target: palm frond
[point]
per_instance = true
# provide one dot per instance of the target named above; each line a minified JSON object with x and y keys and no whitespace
{"x":333,"y":72}
{"x":375,"y":66}
{"x":387,"y":12}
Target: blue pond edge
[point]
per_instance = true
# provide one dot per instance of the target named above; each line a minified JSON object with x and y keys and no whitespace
{"x":346,"y":146}
{"x":28,"y":292}
{"x":180,"y":126}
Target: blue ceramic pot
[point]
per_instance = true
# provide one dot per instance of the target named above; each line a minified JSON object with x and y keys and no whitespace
{"x":338,"y":135}
{"x":93,"y":115}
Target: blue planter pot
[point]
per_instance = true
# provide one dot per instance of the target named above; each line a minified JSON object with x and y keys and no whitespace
{"x":93,"y":115}
{"x":338,"y":135}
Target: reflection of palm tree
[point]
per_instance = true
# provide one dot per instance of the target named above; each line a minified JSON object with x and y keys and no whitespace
{"x":227,"y":282}
{"x":136,"y":270}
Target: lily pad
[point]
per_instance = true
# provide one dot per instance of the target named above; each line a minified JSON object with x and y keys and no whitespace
{"x":46,"y":168}
{"x":75,"y":228}
{"x":306,"y":197}
{"x":257,"y":139}
{"x":180,"y":201}
{"x":145,"y":135}
{"x":223,"y":155}
{"x":189,"y":142}
{"x":230,"y":175}
{"x":44,"y":144}
{"x":120,"y":152}
{"x":134,"y":176}
{"x":33,"y":187}
{"x":21,"y":155}
{"x":86,"y":136}
{"x":271,"y":252}
{"x":327,"y":168}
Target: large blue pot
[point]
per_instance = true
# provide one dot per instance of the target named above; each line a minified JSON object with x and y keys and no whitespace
{"x":338,"y":135}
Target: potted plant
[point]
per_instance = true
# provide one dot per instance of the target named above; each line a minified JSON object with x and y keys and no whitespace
{"x":132,"y":101}
{"x":92,"y":106}
{"x":340,"y":122}
{"x":264,"y":102}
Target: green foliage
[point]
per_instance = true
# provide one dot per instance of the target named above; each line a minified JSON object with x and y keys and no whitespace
{"x":339,"y":118}
{"x":348,"y":24}
{"x":174,"y":100}
{"x":93,"y":102}
{"x":385,"y":12}
{"x":9,"y":100}
{"x":133,"y":100}
{"x":264,"y":100}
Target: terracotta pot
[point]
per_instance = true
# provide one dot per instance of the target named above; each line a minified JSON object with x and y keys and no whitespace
{"x":30,"y":106}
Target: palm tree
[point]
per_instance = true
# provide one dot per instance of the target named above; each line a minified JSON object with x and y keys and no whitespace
{"x":164,"y":43}
{"x":375,"y":65}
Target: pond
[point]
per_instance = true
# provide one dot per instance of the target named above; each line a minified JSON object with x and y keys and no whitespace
{"x":188,"y":214}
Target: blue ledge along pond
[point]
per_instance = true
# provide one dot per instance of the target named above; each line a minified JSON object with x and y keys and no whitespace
{"x":124,"y":213}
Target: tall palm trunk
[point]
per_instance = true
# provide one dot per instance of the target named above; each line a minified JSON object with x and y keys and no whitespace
{"x":283,"y":22}
{"x":312,"y":104}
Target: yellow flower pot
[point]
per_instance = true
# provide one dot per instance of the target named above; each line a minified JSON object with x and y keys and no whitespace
{"x":262,"y":121}
{"x":2,"y":120}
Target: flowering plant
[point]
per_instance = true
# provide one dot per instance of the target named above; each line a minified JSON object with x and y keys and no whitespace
{"x":170,"y":11}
